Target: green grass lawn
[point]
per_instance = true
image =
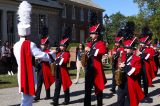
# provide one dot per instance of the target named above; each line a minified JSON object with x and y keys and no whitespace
{"x":7,"y":81}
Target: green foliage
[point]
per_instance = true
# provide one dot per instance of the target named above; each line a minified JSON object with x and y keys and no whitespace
{"x":113,"y":25}
{"x":111,"y":45}
{"x":116,"y":21}
{"x":72,"y":45}
{"x":151,"y":13}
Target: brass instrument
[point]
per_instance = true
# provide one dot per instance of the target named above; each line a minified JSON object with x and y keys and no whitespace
{"x":118,"y":73}
{"x":84,"y":59}
{"x":86,"y":55}
{"x":53,"y":67}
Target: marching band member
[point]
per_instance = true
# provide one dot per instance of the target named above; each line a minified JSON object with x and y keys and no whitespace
{"x":151,"y":57}
{"x":117,"y":50}
{"x":62,"y":74}
{"x":147,"y":73}
{"x":44,"y":73}
{"x":24,"y":49}
{"x":94,"y":74}
{"x":131,"y":68}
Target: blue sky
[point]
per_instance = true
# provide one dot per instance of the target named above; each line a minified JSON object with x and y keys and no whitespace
{"x":126,"y":7}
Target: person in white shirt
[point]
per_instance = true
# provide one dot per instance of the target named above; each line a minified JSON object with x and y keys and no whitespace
{"x":23,"y":51}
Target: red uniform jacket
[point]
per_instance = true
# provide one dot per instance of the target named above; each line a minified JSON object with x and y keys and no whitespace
{"x":150,"y":65}
{"x":66,"y":81}
{"x":47,"y":75}
{"x":122,"y":54}
{"x":135,"y":92}
{"x":99,"y":80}
{"x":154,"y":68}
{"x":114,"y":50}
{"x":121,"y":49}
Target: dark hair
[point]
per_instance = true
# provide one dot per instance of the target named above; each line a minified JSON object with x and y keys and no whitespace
{"x":58,"y":50}
{"x":5,"y":43}
{"x":82,"y":46}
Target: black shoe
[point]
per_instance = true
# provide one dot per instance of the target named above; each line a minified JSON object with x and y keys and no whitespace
{"x":146,"y":95}
{"x":46,"y":98}
{"x":65,"y":103}
{"x":76,"y":82}
{"x":54,"y":103}
{"x":36,"y":98}
{"x":112,"y":90}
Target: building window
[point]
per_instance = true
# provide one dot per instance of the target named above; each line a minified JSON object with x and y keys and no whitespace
{"x":10,"y":26}
{"x":73,"y":13}
{"x":89,"y":15}
{"x":42,"y":23}
{"x":64,"y":11}
{"x":73,"y":32}
{"x":82,"y":14}
{"x":63,"y":28}
{"x":82,"y":36}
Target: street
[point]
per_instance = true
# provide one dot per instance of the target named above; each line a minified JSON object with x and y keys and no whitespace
{"x":10,"y":96}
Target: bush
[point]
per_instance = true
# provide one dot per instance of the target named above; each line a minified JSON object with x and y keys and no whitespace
{"x":72,"y":45}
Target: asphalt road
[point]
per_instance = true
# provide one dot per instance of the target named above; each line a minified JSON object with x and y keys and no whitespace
{"x":11,"y":97}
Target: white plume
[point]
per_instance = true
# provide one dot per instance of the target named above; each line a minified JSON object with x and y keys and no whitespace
{"x":24,"y":13}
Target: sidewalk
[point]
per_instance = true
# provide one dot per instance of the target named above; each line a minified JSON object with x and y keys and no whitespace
{"x":10,"y":96}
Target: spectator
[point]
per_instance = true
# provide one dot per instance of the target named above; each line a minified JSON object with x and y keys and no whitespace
{"x":80,"y":50}
{"x":6,"y":57}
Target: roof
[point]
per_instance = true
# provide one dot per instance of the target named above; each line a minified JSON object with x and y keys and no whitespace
{"x":48,"y":3}
{"x":88,"y":3}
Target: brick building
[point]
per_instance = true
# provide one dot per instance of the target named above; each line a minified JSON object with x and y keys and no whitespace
{"x":45,"y":13}
{"x":56,"y":15}
{"x":76,"y":17}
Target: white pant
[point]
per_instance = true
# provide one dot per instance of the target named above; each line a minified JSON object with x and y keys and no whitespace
{"x":26,"y":100}
{"x":79,"y":67}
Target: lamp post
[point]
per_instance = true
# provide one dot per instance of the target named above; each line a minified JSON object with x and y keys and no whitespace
{"x":106,"y":20}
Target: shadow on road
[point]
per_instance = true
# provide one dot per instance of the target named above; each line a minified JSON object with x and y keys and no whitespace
{"x":148,"y":99}
{"x":108,"y":95}
{"x":156,"y":81}
{"x":5,"y":82}
{"x":154,"y":93}
{"x":15,"y":105}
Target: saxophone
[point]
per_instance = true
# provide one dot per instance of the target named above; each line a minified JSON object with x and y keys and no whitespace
{"x":84,"y":59}
{"x":54,"y":64}
{"x":86,"y":55}
{"x":118,"y":73}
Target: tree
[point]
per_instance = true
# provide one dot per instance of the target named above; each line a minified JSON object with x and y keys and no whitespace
{"x":152,"y":6}
{"x":117,"y":20}
{"x":151,"y":11}
{"x":113,"y":24}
